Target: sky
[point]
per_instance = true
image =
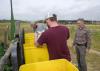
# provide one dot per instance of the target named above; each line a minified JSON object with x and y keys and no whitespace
{"x":38,"y":9}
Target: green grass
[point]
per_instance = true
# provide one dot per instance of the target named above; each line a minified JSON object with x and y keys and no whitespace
{"x":3,"y":28}
{"x":93,"y":62}
{"x":96,"y":40}
{"x":26,"y":27}
{"x":95,"y":32}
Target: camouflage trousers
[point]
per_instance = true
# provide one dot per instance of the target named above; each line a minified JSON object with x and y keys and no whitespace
{"x":81,"y":53}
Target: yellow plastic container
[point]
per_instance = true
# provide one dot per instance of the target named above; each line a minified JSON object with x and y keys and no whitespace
{"x":26,"y":46}
{"x":31,"y":52}
{"x":53,"y":65}
{"x":29,"y":39}
{"x":29,"y":34}
{"x":34,"y":54}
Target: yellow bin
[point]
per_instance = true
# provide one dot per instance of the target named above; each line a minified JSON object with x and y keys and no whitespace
{"x":29,"y":38}
{"x":53,"y":65}
{"x":34,"y":54}
{"x":31,"y":52}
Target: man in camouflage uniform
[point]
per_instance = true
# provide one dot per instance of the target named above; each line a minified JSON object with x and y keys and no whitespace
{"x":81,"y":44}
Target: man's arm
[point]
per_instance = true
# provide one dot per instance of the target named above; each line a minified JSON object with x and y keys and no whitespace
{"x":36,"y":38}
{"x":88,"y":39}
{"x":41,"y":40}
{"x":68,"y":34}
{"x":74,"y":41}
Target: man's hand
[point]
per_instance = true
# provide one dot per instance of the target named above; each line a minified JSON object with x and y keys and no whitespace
{"x":74,"y":46}
{"x":35,"y":39}
{"x":87,"y":50}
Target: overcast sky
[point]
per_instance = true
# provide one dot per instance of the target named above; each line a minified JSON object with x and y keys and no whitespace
{"x":38,"y":9}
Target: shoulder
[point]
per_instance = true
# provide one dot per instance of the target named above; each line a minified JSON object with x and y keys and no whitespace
{"x":46,"y":32}
{"x":64,"y":29}
{"x":64,"y":26}
{"x":86,"y":29}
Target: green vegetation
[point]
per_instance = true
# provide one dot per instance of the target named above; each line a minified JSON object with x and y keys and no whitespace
{"x":1,"y":50}
{"x":26,"y":27}
{"x":93,"y":62}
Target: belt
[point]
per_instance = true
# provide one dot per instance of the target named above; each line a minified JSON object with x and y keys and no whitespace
{"x":81,"y":44}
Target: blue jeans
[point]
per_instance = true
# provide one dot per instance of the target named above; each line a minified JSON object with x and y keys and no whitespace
{"x":81,"y":53}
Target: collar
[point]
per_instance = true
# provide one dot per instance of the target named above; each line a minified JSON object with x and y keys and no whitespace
{"x":81,"y":28}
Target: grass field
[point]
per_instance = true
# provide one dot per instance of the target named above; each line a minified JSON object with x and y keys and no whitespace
{"x":3,"y":28}
{"x":93,"y":59}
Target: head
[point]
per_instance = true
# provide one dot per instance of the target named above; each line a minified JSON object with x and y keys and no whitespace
{"x":80,"y":23}
{"x":34,"y":26}
{"x":50,"y":21}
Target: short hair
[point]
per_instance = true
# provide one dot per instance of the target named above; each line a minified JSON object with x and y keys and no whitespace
{"x":52,"y":19}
